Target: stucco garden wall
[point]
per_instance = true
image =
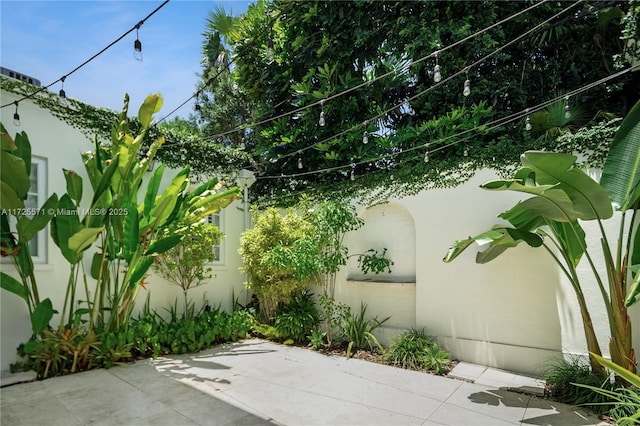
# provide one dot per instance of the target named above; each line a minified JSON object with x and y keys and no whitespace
{"x":516,"y":313}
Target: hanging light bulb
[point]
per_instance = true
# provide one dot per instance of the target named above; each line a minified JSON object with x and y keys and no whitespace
{"x":321,"y":121}
{"x":527,"y":124}
{"x":197,"y":106}
{"x":16,"y":116}
{"x":137,"y":45}
{"x":467,"y":86}
{"x":437,"y":76}
{"x":299,"y":161}
{"x":352,"y":175}
{"x":567,"y":111}
{"x":365,"y":137}
{"x":62,"y":100}
{"x":183,"y":153}
{"x":270,"y":52}
{"x":426,"y":153}
{"x":465,"y":153}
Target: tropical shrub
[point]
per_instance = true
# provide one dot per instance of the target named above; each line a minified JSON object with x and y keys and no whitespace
{"x":416,"y":350}
{"x":562,"y":196}
{"x":625,"y":400}
{"x":185,"y":265}
{"x":127,"y":235}
{"x":566,"y":380}
{"x":407,"y":349}
{"x":276,"y":268}
{"x":317,"y":339}
{"x":19,"y":224}
{"x":358,"y":331}
{"x":298,"y":318}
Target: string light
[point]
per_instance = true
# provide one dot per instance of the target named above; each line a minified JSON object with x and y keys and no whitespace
{"x":321,"y":121}
{"x":365,"y":137}
{"x":113,"y":43}
{"x":16,"y":116}
{"x":137,"y":44}
{"x":465,"y":153}
{"x":197,"y":106}
{"x":567,"y":108}
{"x":458,"y":136}
{"x":426,"y":153}
{"x":300,"y":165}
{"x":62,"y":100}
{"x":467,"y":85}
{"x":183,"y":153}
{"x":527,"y":124}
{"x":403,"y":103}
{"x":437,"y":76}
{"x":352,"y":175}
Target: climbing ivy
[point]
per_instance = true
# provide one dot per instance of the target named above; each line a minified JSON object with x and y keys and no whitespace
{"x":183,"y":142}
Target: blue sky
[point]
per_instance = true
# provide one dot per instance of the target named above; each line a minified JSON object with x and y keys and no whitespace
{"x":48,"y":39}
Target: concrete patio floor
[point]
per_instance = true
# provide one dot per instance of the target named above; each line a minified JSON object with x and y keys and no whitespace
{"x":256,"y":382}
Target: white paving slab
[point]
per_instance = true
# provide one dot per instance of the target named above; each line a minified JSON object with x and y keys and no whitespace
{"x":257,"y":382}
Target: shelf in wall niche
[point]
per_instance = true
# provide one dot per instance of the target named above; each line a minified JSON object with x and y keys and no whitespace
{"x":379,"y":281}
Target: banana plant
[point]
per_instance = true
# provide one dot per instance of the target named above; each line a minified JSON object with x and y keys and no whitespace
{"x":127,"y":232}
{"x":15,"y":157}
{"x":563,"y":195}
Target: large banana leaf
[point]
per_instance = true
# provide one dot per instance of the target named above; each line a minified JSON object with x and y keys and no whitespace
{"x":7,"y":282}
{"x":621,"y":173}
{"x":27,"y":228}
{"x":13,"y":172}
{"x":589,"y":199}
{"x":499,"y":238}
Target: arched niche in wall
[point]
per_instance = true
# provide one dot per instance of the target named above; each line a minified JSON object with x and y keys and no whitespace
{"x":389,"y":226}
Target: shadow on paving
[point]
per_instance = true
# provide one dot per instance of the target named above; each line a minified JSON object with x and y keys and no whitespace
{"x":533,"y":404}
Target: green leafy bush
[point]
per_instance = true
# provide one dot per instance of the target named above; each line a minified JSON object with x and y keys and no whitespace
{"x":359,"y":331}
{"x":297,"y":319}
{"x":407,"y":349}
{"x":416,"y":350}
{"x":186,"y":265}
{"x":563,"y":375}
{"x":275,"y":267}
{"x":317,"y":339}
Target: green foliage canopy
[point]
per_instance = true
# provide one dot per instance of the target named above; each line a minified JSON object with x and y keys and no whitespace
{"x":291,"y":54}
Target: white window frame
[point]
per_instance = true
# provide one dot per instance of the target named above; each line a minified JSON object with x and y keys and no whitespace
{"x":220,"y":247}
{"x":40,"y":165}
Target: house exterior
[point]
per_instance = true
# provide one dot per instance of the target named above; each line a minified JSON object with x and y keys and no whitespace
{"x":516,"y":312}
{"x":56,"y":145}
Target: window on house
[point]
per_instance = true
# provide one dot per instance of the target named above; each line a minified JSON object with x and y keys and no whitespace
{"x":36,"y":196}
{"x":218,"y":220}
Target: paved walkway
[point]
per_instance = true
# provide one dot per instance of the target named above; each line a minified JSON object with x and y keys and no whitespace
{"x":257,"y":382}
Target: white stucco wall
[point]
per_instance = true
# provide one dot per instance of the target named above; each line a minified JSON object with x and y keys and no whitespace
{"x":61,"y":146}
{"x":516,"y":312}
